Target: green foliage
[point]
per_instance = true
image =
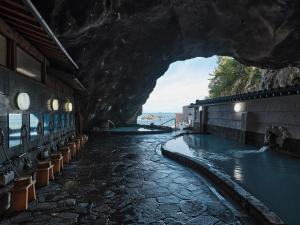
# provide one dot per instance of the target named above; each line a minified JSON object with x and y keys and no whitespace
{"x":231,"y":77}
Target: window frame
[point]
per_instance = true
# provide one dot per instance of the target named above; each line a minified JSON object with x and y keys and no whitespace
{"x":49,"y":130}
{"x":41,"y":75}
{"x":7,"y":50}
{"x":39,"y":120}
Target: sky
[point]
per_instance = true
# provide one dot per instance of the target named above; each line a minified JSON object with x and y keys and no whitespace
{"x":183,"y":83}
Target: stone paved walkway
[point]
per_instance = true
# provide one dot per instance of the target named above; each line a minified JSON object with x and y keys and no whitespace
{"x":123,"y":180}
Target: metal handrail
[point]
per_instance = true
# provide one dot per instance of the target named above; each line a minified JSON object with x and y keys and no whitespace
{"x":168,"y":122}
{"x":110,"y":122}
{"x":268,"y":93}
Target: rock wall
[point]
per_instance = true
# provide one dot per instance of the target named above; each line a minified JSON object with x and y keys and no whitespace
{"x":124,"y":46}
{"x":288,"y":76}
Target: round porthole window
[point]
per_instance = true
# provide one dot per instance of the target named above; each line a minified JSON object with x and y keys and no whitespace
{"x":54,"y":104}
{"x":23,"y":101}
{"x":69,"y":107}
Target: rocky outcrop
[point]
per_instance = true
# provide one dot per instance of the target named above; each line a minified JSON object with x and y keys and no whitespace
{"x":288,"y":76}
{"x":124,"y":46}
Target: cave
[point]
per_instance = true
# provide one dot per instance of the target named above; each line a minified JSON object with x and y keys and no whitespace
{"x":118,"y":44}
{"x":74,"y":77}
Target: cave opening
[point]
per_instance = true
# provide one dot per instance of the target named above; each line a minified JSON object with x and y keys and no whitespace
{"x":181,"y":84}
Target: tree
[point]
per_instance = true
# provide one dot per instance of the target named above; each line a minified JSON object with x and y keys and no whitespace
{"x":231,"y":77}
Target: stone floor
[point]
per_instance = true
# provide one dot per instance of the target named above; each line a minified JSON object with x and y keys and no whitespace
{"x":123,"y":180}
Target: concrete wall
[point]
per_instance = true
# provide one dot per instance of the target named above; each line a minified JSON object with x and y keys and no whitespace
{"x":278,"y":111}
{"x":185,"y":114}
{"x":12,"y":83}
{"x":255,"y":116}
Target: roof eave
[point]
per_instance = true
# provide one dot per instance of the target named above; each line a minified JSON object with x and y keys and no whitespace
{"x":45,"y":26}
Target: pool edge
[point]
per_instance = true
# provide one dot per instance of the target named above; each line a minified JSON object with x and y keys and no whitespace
{"x":251,"y":204}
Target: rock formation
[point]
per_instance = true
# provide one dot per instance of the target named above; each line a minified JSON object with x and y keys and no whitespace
{"x":288,"y":76}
{"x":124,"y":46}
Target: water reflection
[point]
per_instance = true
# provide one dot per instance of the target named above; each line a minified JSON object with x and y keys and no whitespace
{"x":237,"y":172}
{"x":271,"y":177}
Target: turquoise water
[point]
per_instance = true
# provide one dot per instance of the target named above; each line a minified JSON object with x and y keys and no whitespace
{"x":132,"y":129}
{"x":156,"y":119}
{"x":271,"y":177}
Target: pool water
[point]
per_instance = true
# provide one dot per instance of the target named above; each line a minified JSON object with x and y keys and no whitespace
{"x":272,"y":177}
{"x":131,"y":129}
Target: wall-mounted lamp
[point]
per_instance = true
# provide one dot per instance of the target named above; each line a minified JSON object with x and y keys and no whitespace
{"x":54,"y":104}
{"x":237,"y":107}
{"x":69,"y":107}
{"x":23,"y":101}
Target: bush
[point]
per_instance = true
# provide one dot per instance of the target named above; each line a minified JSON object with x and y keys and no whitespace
{"x":231,"y":77}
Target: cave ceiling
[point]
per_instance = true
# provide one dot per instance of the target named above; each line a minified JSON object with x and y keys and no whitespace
{"x":124,"y":46}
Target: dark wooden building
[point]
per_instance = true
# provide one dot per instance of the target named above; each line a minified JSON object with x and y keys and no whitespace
{"x":37,"y":83}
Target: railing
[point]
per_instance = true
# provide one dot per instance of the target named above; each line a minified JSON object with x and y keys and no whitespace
{"x":169,"y":121}
{"x":110,"y":122}
{"x":269,"y":93}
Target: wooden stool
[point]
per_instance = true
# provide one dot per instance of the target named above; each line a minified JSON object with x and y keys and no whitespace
{"x":66,"y":153}
{"x":44,"y":173}
{"x":73,"y":148}
{"x":57,"y":161}
{"x":22,"y":192}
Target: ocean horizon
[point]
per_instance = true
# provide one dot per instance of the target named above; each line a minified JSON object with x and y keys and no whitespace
{"x":157,"y":118}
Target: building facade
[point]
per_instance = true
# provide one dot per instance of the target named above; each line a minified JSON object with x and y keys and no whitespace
{"x":252,"y":117}
{"x":37,"y":84}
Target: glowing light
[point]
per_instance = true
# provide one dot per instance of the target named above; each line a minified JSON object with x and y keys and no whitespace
{"x":54,"y":104}
{"x":238,"y":107}
{"x":69,"y":107}
{"x":23,"y":101}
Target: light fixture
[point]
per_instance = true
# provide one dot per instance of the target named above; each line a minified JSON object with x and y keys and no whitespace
{"x":69,"y":107}
{"x":238,"y":107}
{"x":23,"y":101}
{"x":54,"y":104}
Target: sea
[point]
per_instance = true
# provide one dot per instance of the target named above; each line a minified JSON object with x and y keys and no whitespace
{"x":157,"y":119}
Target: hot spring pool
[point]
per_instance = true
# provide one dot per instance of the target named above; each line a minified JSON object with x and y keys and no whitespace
{"x":135,"y":130}
{"x":272,"y":177}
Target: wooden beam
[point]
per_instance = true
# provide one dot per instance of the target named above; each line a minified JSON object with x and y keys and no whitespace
{"x":21,"y":41}
{"x":41,"y":42}
{"x":27,"y":31}
{"x":13,"y":10}
{"x":19,"y":22}
{"x":11,"y":14}
{"x":35,"y":36}
{"x":16,"y":3}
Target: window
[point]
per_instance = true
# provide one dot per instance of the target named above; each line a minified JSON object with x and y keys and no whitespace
{"x":15,"y":124}
{"x":27,"y":65}
{"x":68,"y":120}
{"x":71,"y":122}
{"x":3,"y":50}
{"x":56,"y":122}
{"x":46,"y":124}
{"x":63,"y":121}
{"x":34,"y":121}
